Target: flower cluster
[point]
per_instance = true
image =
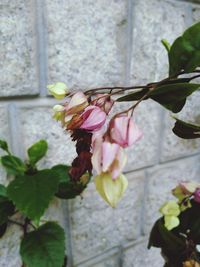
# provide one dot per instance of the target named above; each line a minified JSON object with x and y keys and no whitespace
{"x":99,"y":145}
{"x":185,"y":192}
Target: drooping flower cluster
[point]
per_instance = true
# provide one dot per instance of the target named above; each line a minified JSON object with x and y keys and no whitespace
{"x":98,"y":146}
{"x":185,"y":192}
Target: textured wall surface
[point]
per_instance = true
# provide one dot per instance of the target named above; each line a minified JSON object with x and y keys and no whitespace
{"x":86,"y":44}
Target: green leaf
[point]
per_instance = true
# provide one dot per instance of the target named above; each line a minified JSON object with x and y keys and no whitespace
{"x":170,"y":94}
{"x":4,"y":146}
{"x":33,"y":193}
{"x":44,"y":247}
{"x":139,"y":94}
{"x":161,"y":237}
{"x":166,"y":44}
{"x":37,"y":151}
{"x":186,"y":130}
{"x":173,"y":96}
{"x":13,"y":165}
{"x":67,"y":189}
{"x":185,"y":51}
{"x":155,"y":239}
{"x":3,"y":191}
{"x":62,"y":172}
{"x":133,"y":96}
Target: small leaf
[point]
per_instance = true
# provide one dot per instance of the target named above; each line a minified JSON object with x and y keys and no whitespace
{"x":33,"y":193}
{"x":37,"y":151}
{"x":166,"y":44}
{"x":67,"y":189}
{"x":63,"y":172}
{"x":161,"y":237}
{"x":186,"y":130}
{"x":155,"y":239}
{"x":13,"y":165}
{"x":4,"y":146}
{"x":171,"y":240}
{"x":185,"y":51}
{"x":44,"y":247}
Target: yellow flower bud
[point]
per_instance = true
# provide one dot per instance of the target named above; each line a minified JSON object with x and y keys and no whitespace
{"x":171,"y":222}
{"x":58,"y":90}
{"x":171,"y":210}
{"x":111,"y":190}
{"x":58,"y":112}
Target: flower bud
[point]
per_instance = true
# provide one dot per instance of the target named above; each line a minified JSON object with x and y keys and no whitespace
{"x":104,"y":101}
{"x":77,"y":103}
{"x":124,"y":131}
{"x":171,"y":222}
{"x":93,"y":118}
{"x":185,"y":189}
{"x":170,"y":210}
{"x":197,"y":195}
{"x":58,"y":90}
{"x":111,"y":190}
{"x":59,"y":112}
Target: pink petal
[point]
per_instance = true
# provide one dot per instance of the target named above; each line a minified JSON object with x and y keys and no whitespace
{"x":77,"y":99}
{"x":134,"y":133}
{"x":94,"y":118}
{"x":97,"y":155}
{"x":109,"y":152}
{"x":119,"y":164}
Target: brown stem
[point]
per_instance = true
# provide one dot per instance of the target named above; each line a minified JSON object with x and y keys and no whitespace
{"x":121,"y":88}
{"x":25,"y":226}
{"x":15,"y":222}
{"x":194,"y":77}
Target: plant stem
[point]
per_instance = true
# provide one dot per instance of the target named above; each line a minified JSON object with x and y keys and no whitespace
{"x":121,"y":88}
{"x":15,"y":222}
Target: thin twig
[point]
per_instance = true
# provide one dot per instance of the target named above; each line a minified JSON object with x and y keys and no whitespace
{"x":15,"y":222}
{"x":121,"y":88}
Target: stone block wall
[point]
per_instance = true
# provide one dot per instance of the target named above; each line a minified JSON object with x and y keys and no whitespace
{"x":86,"y":44}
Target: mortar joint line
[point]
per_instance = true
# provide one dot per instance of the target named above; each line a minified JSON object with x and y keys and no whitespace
{"x":14,"y":127}
{"x":129,"y":40}
{"x":41,"y":38}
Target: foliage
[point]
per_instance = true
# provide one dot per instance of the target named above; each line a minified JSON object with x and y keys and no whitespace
{"x":30,"y":193}
{"x":44,"y":247}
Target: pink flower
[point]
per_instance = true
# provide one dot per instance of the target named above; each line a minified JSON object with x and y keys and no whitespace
{"x":93,"y":118}
{"x":104,"y":101}
{"x":108,"y":158}
{"x":124,"y":131}
{"x":76,"y":104}
{"x":197,"y":195}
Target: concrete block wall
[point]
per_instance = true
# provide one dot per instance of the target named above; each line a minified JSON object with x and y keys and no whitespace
{"x":86,"y":44}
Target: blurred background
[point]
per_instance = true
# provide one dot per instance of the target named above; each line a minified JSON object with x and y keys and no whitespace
{"x":86,"y":44}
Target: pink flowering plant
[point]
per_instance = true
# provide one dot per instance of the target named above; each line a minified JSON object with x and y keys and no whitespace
{"x":101,"y":141}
